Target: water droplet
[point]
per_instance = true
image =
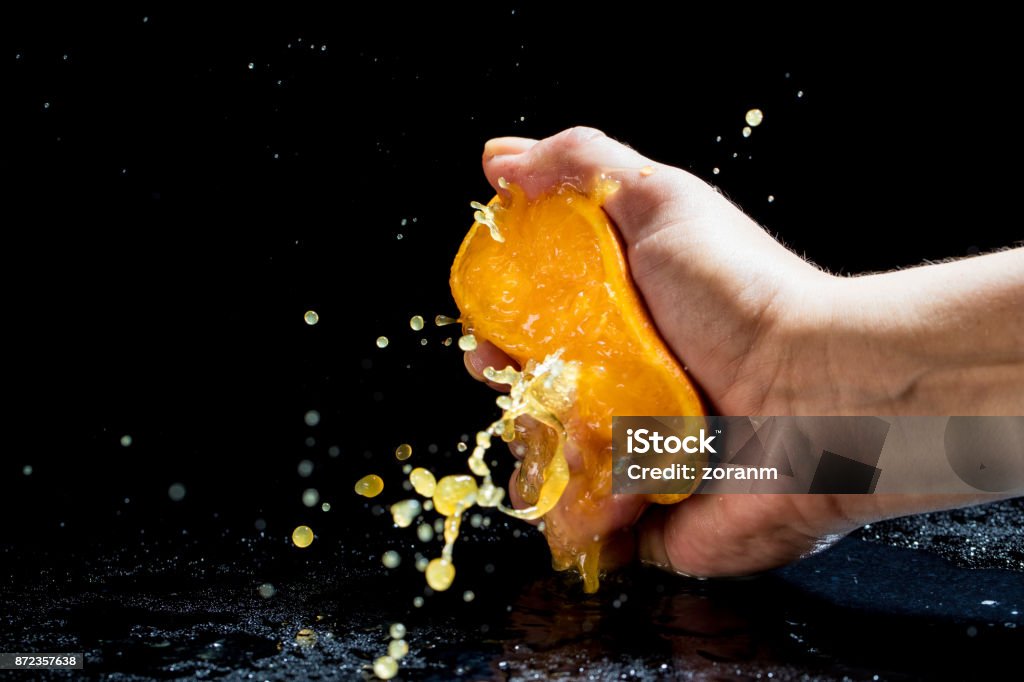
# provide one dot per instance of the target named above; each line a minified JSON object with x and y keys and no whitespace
{"x":444,"y":320}
{"x":403,"y":452}
{"x":468,"y":596}
{"x":305,"y":468}
{"x":417,"y":602}
{"x":754,"y":117}
{"x":382,"y":342}
{"x":771,"y":198}
{"x":467,"y":342}
{"x":397,"y":631}
{"x":310,"y":496}
{"x":266,"y":590}
{"x":715,"y":170}
{"x":746,"y":131}
{"x":302,"y":537}
{"x":311,"y":317}
{"x":176,"y":492}
{"x":416,"y":323}
{"x":461,"y":447}
{"x":252,"y":66}
{"x":326,"y":506}
{"x":27,"y":470}
{"x":312,"y":418}
{"x":425,"y":532}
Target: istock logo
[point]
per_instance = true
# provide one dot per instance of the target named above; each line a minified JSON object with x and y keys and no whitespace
{"x":642,"y":441}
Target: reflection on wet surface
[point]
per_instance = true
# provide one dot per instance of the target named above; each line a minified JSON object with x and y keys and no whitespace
{"x":860,"y":609}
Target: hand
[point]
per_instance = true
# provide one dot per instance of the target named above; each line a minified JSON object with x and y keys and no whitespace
{"x":760,"y":330}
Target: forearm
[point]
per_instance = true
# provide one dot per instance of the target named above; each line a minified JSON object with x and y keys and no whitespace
{"x":943,"y":339}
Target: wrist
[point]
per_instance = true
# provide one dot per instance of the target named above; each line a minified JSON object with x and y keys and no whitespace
{"x":930,"y":340}
{"x":843,"y":351}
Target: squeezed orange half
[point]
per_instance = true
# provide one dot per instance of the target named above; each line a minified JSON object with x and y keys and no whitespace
{"x":549,"y":278}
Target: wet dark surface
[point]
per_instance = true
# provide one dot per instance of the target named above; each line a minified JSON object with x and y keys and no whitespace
{"x":188,"y":609}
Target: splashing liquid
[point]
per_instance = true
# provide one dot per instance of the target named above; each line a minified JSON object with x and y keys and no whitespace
{"x":587,"y":348}
{"x":563,"y":399}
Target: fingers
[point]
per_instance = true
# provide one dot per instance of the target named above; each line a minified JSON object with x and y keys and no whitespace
{"x":487,"y":355}
{"x":500,"y":146}
{"x":580,"y":156}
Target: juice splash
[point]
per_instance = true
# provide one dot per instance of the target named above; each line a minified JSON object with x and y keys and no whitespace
{"x":546,"y":281}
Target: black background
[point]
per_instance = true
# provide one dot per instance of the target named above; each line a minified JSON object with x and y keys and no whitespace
{"x":171,"y":213}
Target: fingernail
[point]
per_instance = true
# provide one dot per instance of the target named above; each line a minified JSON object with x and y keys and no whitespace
{"x":503,"y":146}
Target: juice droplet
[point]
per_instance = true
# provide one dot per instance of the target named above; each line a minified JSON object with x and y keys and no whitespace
{"x":647,"y":171}
{"x":403,"y":452}
{"x":423,"y":481}
{"x":447,"y":342}
{"x":746,"y":131}
{"x":391,"y":559}
{"x":397,"y":631}
{"x":454,"y":493}
{"x":417,"y":602}
{"x":397,"y":649}
{"x":489,"y":495}
{"x":461,"y":447}
{"x":385,"y":667}
{"x":754,"y":117}
{"x":485,"y":215}
{"x":416,"y":323}
{"x":771,"y":198}
{"x":425,"y":532}
{"x":503,"y":183}
{"x":382,"y":342}
{"x":370,"y":485}
{"x":444,"y":320}
{"x":468,"y":596}
{"x":305,"y":637}
{"x":440,"y":574}
{"x":405,"y":512}
{"x":467,"y":342}
{"x":311,"y":317}
{"x":302,"y":537}
{"x":716,"y":170}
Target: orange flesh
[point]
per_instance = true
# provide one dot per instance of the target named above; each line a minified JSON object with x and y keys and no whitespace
{"x":559,"y":283}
